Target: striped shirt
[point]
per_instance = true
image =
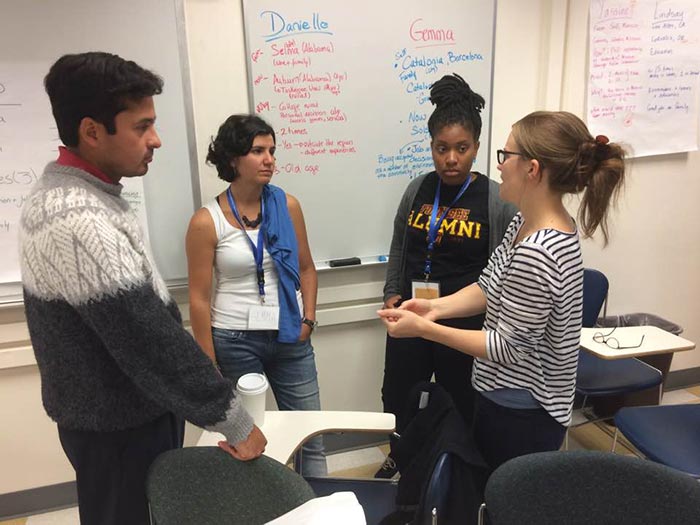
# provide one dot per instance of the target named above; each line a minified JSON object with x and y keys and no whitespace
{"x":534,"y":292}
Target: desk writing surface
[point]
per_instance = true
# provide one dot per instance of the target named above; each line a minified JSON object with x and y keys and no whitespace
{"x":656,"y":341}
{"x":287,"y":430}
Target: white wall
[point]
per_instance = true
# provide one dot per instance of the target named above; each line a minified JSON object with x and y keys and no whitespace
{"x":654,"y":254}
{"x":540,"y":63}
{"x":653,"y":257}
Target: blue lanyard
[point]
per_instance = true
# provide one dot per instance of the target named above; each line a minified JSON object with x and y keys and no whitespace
{"x":257,"y":250}
{"x":434,"y":225}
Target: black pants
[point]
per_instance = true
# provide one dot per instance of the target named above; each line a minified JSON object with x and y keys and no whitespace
{"x":408,"y":361}
{"x":503,"y":433}
{"x":111,"y":468}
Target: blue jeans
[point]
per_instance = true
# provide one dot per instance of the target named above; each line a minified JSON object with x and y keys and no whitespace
{"x":291,"y":370}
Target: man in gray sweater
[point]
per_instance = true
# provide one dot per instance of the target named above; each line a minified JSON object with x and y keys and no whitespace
{"x":119,"y":373}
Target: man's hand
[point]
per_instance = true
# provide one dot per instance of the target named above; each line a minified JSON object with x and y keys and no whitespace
{"x":250,"y":448}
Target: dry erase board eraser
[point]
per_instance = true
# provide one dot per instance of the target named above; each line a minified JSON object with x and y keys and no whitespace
{"x":350,"y":261}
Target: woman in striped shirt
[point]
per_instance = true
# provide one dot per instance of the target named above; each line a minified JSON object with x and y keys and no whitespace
{"x":531,"y":290}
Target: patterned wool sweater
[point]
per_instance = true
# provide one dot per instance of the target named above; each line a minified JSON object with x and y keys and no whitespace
{"x":107,"y":336}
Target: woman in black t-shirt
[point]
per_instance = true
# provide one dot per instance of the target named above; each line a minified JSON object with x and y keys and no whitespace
{"x":448,"y":223}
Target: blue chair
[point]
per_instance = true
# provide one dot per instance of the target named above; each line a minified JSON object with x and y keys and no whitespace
{"x":597,"y":377}
{"x":669,"y":435}
{"x":438,"y":490}
{"x":595,"y":295}
{"x":377,"y":496}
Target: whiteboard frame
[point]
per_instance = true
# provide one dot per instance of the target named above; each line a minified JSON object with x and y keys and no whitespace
{"x":493,"y":70}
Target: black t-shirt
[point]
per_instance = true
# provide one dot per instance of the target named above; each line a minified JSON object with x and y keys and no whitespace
{"x":462,"y":246}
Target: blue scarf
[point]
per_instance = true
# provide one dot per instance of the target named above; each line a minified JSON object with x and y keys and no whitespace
{"x":281,"y":243}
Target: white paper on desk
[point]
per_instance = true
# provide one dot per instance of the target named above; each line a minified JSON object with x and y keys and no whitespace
{"x":340,"y":508}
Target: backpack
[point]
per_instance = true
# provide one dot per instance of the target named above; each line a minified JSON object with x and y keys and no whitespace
{"x":434,"y":426}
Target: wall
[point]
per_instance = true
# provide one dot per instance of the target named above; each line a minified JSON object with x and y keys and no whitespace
{"x":539,"y":63}
{"x":653,"y":258}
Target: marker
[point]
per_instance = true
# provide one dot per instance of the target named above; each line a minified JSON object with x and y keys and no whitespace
{"x":382,"y":258}
{"x":350,"y":261}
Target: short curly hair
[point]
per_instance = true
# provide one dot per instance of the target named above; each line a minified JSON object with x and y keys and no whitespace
{"x":235,"y":139}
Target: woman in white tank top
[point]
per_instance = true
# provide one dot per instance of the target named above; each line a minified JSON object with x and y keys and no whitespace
{"x":250,"y":243}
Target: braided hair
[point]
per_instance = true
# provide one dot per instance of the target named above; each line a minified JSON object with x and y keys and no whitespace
{"x":455,"y":103}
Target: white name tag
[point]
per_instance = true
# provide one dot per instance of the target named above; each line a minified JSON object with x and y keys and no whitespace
{"x":264,"y":318}
{"x":425,"y":290}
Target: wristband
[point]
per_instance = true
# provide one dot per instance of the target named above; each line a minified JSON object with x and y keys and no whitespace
{"x":310,"y":323}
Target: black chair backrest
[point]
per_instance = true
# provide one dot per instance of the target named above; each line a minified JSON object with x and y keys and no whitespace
{"x":589,"y":487}
{"x":595,"y":291}
{"x":204,"y":485}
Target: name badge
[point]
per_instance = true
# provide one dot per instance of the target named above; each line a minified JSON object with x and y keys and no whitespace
{"x":425,"y":289}
{"x":264,"y":318}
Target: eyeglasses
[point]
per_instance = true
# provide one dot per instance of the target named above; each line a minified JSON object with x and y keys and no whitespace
{"x":612,"y":342}
{"x":502,"y":155}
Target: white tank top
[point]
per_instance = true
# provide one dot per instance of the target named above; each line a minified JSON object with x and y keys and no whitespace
{"x":234,"y":272}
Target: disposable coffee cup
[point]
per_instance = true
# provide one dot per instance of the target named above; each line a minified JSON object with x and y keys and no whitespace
{"x":252,"y":389}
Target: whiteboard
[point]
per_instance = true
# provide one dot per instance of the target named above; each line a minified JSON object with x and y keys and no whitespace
{"x":345,"y":86}
{"x":33,"y":34}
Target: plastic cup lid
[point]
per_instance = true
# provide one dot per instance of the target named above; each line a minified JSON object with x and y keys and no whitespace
{"x":252,"y":383}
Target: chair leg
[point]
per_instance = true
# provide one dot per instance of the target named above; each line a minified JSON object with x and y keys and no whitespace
{"x":482,"y":512}
{"x":297,"y":461}
{"x":614,"y":440}
{"x":566,"y":436}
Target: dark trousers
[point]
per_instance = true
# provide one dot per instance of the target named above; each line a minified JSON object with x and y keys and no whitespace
{"x":111,"y":468}
{"x":408,"y":361}
{"x":503,"y":433}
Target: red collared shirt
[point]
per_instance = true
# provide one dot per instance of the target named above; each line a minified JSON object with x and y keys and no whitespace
{"x":67,"y":158}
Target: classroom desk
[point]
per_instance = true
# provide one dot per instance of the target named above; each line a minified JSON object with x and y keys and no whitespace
{"x":656,"y":341}
{"x":286,"y":430}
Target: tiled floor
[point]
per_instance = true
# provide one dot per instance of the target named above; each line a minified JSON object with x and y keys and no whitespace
{"x":365,"y":462}
{"x":61,"y":517}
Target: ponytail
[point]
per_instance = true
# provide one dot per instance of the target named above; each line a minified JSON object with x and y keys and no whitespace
{"x":576,"y":162}
{"x":602,"y":171}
